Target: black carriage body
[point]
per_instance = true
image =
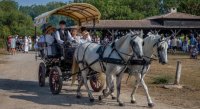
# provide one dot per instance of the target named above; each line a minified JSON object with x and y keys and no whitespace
{"x":58,"y":65}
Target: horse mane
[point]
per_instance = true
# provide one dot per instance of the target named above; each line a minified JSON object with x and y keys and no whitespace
{"x":120,"y":41}
{"x":152,"y":37}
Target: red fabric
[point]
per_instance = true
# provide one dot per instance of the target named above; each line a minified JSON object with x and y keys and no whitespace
{"x":9,"y":40}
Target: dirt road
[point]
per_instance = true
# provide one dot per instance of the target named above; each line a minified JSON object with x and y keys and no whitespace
{"x":19,"y":90}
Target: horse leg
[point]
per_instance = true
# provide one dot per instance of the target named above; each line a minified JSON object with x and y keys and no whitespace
{"x":150,"y":103}
{"x":112,"y":93}
{"x":106,"y":90}
{"x":118,"y":82}
{"x":113,"y":96}
{"x":110,"y":87}
{"x":80,"y":84}
{"x":135,"y":87}
{"x":84,"y":75}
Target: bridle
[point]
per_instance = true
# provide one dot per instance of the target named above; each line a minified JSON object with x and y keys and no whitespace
{"x":131,"y":43}
{"x":158,"y":50}
{"x":158,"y":44}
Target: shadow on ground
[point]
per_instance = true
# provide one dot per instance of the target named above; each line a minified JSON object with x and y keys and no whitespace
{"x":30,"y":91}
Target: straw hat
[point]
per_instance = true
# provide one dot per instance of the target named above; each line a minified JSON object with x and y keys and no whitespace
{"x":85,"y":33}
{"x":49,"y":28}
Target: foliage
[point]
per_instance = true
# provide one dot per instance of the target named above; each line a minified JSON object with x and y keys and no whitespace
{"x":16,"y":19}
{"x":139,"y":9}
{"x":36,"y":10}
{"x":163,"y":79}
{"x":13,"y":21}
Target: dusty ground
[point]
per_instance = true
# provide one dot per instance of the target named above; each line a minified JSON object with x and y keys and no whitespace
{"x":189,"y":96}
{"x":19,"y":89}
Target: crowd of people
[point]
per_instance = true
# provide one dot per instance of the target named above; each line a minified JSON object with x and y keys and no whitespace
{"x":20,"y":44}
{"x":184,"y":42}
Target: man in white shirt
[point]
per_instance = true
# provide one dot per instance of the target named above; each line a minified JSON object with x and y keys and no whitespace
{"x":62,"y":34}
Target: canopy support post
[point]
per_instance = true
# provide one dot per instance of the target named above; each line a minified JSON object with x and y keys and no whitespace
{"x":94,"y":25}
{"x":35,"y":34}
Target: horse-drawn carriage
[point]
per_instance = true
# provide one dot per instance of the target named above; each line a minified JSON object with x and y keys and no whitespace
{"x":91,"y":58}
{"x":58,"y":66}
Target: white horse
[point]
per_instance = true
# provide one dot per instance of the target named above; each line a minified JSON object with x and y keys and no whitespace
{"x":86,"y":58}
{"x":152,"y":44}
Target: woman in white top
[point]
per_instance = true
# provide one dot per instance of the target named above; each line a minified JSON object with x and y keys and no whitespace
{"x":26,"y":45}
{"x":30,"y":42}
{"x":49,"y":39}
{"x":85,"y":35}
{"x":74,"y":34}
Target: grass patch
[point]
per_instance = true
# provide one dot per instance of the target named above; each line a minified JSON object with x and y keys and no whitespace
{"x":164,"y":79}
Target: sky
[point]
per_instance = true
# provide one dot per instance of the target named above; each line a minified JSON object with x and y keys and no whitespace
{"x":38,"y":2}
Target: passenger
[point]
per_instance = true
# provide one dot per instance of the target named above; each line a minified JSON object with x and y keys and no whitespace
{"x":62,"y":34}
{"x":74,"y":33}
{"x":49,"y":39}
{"x":85,"y":35}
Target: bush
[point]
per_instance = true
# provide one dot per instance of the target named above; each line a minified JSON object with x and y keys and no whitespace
{"x":164,"y":79}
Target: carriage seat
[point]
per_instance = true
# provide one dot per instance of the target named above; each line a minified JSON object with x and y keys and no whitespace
{"x":53,"y":51}
{"x":49,"y":47}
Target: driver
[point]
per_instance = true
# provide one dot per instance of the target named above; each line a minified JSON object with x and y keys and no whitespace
{"x":62,"y":34}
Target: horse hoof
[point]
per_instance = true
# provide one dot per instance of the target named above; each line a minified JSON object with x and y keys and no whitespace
{"x":78,"y":96}
{"x":100,"y":98}
{"x":104,"y":92}
{"x":150,"y":105}
{"x":133,"y":101}
{"x":121,"y":104}
{"x":113,"y":98}
{"x":91,"y":99}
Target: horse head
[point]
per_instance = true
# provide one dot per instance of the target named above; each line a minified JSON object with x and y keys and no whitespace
{"x":136,"y":43}
{"x":162,"y":47}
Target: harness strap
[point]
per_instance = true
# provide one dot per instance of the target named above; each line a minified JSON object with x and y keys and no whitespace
{"x":83,"y":54}
{"x":88,"y":65}
{"x":122,"y":70}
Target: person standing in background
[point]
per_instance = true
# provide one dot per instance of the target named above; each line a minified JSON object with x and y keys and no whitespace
{"x":193,"y":41}
{"x":198,"y":40}
{"x":26,"y":44}
{"x":9,"y":44}
{"x":174,"y":44}
{"x":30,"y":42}
{"x":179,"y":44}
{"x":185,"y":44}
{"x":13,"y":45}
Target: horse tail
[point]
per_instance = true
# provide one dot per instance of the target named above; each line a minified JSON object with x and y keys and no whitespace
{"x":75,"y":69}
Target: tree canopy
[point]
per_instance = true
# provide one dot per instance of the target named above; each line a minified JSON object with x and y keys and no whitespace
{"x":12,"y":21}
{"x":15,"y":19}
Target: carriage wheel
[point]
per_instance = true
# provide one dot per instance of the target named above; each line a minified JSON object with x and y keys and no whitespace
{"x":55,"y":80}
{"x":97,"y":82}
{"x":41,"y":74}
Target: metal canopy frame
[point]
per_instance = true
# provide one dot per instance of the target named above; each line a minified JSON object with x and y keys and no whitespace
{"x":80,"y":12}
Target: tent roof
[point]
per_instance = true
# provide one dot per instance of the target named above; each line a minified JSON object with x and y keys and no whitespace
{"x":80,"y":12}
{"x":176,"y":15}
